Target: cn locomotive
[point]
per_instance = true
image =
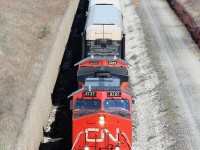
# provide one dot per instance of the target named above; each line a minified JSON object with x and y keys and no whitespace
{"x":103,"y":67}
{"x":102,"y":107}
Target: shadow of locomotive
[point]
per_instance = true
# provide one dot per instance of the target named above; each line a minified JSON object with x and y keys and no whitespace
{"x":61,"y":129}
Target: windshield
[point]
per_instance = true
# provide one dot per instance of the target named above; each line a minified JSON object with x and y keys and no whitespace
{"x":87,"y":104}
{"x":121,"y":104}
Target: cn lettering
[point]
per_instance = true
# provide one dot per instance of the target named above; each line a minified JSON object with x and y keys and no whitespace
{"x":103,"y":134}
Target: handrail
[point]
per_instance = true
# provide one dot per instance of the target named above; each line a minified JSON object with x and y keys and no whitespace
{"x":126,"y":138}
{"x":77,"y":137}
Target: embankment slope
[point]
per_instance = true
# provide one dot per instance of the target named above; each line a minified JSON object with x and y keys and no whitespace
{"x":33,"y":35}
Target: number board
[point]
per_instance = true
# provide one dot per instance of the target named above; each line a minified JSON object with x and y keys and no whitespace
{"x":94,"y":62}
{"x":89,"y":93}
{"x":114,"y":93}
{"x":112,"y":62}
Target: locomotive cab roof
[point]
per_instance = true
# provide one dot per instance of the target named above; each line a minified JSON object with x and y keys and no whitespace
{"x":102,"y":84}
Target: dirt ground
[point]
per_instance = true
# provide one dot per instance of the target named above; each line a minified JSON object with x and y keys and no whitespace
{"x":27,"y":31}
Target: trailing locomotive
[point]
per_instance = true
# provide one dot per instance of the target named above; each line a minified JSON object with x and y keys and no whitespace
{"x":102,"y":107}
{"x":103,"y":33}
{"x":103,"y":67}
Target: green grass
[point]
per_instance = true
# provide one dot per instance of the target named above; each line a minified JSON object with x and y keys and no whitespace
{"x":4,"y":48}
{"x":151,"y":137}
{"x":134,"y":57}
{"x":157,"y":65}
{"x":169,"y":107}
{"x":43,"y":32}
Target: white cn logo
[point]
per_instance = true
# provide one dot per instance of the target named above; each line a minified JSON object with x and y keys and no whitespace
{"x":103,"y":133}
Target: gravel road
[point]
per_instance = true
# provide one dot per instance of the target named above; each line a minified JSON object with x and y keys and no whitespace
{"x":180,"y":60}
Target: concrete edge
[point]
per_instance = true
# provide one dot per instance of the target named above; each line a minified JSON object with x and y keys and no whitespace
{"x":38,"y":112}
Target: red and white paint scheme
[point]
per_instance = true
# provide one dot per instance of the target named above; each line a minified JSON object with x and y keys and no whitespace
{"x":102,"y":119}
{"x":103,"y":66}
{"x":102,"y":107}
{"x":110,"y":61}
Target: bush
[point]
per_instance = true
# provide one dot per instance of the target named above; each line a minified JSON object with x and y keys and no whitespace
{"x":43,"y":32}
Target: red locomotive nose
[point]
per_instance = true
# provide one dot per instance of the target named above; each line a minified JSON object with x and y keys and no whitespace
{"x":102,"y":116}
{"x":102,"y":131}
